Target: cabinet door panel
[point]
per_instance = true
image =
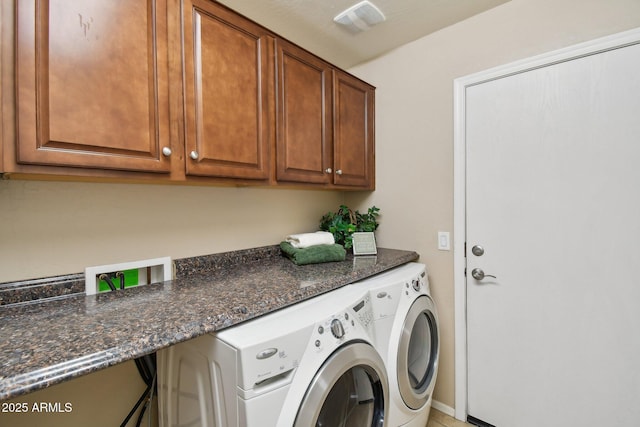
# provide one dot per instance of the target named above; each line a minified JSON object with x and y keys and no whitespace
{"x":92,"y":87}
{"x":353,"y":132}
{"x":229,"y":80}
{"x":304,"y":116}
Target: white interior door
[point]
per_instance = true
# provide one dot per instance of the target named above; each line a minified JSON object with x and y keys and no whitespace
{"x":553,"y":197}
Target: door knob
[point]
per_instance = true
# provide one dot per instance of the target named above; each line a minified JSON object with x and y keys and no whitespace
{"x":478,"y":274}
{"x":194,"y":155}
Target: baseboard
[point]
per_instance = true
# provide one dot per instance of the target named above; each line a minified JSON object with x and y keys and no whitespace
{"x":446,"y":409}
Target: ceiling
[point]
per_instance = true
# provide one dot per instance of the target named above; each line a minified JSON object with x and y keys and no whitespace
{"x":309,"y":23}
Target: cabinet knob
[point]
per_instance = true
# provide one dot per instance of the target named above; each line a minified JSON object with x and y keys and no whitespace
{"x":327,"y":170}
{"x":194,"y":155}
{"x":339,"y":172}
{"x":166,"y":151}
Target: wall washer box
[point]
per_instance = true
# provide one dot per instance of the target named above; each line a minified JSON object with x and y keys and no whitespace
{"x":160,"y":270}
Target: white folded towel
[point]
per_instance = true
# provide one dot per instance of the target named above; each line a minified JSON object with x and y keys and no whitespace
{"x":304,"y":240}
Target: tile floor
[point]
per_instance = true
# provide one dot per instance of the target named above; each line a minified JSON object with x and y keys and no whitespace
{"x":439,"y":419}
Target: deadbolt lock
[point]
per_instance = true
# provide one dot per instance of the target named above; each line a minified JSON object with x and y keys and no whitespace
{"x":477,"y":250}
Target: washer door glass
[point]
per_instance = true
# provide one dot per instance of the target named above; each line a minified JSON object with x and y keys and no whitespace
{"x":349,"y":390}
{"x":418,"y":353}
{"x":351,"y":402}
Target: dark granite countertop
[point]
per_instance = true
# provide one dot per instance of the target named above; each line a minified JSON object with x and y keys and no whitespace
{"x":45,"y":342}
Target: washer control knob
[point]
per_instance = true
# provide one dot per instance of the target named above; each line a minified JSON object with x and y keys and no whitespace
{"x":337,"y":329}
{"x":416,"y":284}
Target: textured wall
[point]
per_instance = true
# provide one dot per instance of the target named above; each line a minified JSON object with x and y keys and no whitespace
{"x":49,"y":228}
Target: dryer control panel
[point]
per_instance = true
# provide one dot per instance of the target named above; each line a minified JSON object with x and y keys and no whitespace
{"x":418,"y":284}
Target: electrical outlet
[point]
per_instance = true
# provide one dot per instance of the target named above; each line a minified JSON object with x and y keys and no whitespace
{"x":97,"y":278}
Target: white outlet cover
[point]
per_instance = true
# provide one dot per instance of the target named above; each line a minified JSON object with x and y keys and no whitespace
{"x":160,"y":271}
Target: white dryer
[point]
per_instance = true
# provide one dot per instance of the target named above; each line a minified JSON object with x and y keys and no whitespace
{"x":311,"y":364}
{"x":407,"y":336}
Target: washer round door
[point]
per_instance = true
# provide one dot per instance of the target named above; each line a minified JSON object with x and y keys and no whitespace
{"x":349,"y":390}
{"x":418,"y":353}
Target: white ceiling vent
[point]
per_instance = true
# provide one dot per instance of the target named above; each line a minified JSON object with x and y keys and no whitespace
{"x":360,"y":17}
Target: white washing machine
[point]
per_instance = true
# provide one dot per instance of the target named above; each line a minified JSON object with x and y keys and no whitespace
{"x":311,"y":364}
{"x":407,"y":336}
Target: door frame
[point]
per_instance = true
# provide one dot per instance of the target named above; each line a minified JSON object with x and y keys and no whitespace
{"x":460,"y":85}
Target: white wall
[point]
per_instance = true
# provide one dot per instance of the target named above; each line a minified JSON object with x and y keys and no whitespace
{"x":414,"y":123}
{"x":49,"y":228}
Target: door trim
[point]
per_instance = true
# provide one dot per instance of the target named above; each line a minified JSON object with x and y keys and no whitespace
{"x":460,"y":85}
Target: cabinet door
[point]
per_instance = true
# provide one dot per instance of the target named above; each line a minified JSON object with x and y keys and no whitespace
{"x":92,"y":87}
{"x":229,"y":79}
{"x":304,"y":150}
{"x":353,"y":116}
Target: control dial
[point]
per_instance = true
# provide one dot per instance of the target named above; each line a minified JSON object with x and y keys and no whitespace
{"x":337,"y":329}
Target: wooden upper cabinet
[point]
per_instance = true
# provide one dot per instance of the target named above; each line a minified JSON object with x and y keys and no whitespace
{"x":91,"y":81}
{"x":304,"y":122}
{"x":184,"y":89}
{"x":353,"y":115}
{"x":325,"y":123}
{"x":229,"y":83}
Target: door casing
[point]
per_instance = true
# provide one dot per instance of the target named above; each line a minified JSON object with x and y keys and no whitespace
{"x":459,"y":215}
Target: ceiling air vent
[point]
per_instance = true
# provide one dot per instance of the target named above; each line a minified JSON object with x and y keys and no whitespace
{"x":360,"y":17}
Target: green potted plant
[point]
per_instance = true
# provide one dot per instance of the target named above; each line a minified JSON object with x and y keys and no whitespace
{"x":343,"y":223}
